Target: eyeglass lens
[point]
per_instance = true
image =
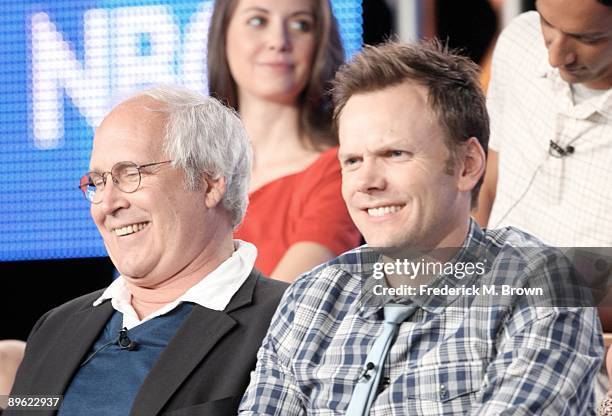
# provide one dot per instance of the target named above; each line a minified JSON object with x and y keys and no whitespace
{"x":125,"y":175}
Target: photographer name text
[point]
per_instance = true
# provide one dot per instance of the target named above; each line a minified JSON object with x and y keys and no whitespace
{"x":475,"y":290}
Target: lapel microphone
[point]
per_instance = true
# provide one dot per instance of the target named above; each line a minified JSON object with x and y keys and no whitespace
{"x":124,"y":341}
{"x":557,"y":151}
{"x":366,"y":369}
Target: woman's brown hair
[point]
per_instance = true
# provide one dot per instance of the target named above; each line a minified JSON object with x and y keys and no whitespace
{"x":315,"y":101}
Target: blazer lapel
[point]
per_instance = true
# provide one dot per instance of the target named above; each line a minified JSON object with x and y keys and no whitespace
{"x":194,"y":339}
{"x":73,"y":343}
{"x":200,"y":332}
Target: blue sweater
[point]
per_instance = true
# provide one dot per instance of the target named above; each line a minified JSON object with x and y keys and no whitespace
{"x":111,"y":376}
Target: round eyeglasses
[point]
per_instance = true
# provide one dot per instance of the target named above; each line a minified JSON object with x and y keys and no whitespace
{"x":125,"y":175}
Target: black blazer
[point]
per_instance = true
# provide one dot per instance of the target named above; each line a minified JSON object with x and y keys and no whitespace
{"x":204,"y":370}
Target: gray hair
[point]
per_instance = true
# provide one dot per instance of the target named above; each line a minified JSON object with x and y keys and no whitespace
{"x":204,"y":137}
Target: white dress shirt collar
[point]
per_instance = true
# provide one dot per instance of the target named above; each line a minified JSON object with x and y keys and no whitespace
{"x":214,"y":291}
{"x":600,"y":103}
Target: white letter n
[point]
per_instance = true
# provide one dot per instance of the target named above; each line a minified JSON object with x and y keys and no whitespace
{"x":56,"y":69}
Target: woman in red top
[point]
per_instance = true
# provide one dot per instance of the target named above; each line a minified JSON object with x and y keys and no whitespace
{"x":272,"y":60}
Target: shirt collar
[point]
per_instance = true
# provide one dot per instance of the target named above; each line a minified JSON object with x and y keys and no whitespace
{"x":604,"y":104}
{"x":471,"y":251}
{"x":601,"y":104}
{"x":214,"y":291}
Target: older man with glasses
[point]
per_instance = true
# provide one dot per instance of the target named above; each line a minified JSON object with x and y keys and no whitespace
{"x":178,"y":331}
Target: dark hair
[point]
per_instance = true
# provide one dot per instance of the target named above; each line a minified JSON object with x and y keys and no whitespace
{"x":454,"y":92}
{"x":315,"y":100}
{"x":606,"y":2}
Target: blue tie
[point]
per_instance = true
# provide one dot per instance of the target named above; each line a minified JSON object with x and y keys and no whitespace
{"x":367,"y":385}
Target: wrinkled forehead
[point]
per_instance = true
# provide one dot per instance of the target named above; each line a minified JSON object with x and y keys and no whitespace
{"x":394,"y":111}
{"x":132,"y":131}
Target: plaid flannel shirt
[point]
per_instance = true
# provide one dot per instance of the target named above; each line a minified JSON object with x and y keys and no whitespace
{"x":456,"y":355}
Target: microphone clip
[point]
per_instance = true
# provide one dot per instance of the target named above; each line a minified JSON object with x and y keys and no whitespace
{"x":124,"y":341}
{"x":365,"y":372}
{"x":557,"y":151}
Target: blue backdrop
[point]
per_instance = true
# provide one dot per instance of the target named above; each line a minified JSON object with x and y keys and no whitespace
{"x":64,"y":63}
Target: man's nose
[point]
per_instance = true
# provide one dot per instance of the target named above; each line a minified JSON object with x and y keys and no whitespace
{"x":370,"y":177}
{"x":560,"y":51}
{"x":112,"y":198}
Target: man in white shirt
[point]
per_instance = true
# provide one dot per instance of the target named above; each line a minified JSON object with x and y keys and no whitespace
{"x":549,"y":166}
{"x":180,"y":328}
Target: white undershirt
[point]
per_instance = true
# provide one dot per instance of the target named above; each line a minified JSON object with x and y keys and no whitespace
{"x":581,"y":93}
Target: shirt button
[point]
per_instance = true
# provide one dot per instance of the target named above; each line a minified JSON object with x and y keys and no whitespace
{"x":443,"y":391}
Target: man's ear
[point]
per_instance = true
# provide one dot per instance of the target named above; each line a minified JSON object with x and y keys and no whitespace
{"x":215,"y":189}
{"x":472,"y":164}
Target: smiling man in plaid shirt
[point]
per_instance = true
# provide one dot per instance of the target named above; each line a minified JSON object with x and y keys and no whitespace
{"x":413,"y":133}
